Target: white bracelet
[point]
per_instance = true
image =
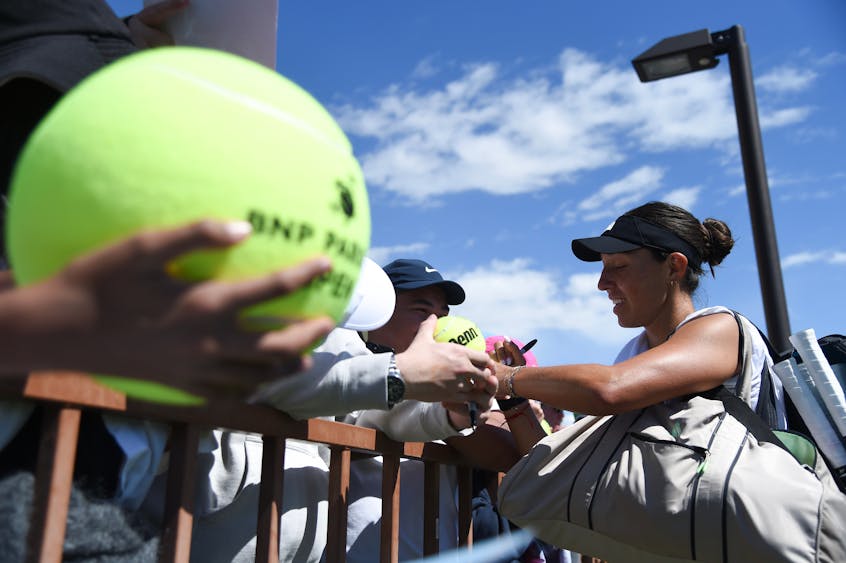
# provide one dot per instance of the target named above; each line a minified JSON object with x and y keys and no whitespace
{"x":509,"y":382}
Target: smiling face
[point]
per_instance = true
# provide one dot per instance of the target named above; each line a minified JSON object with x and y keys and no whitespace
{"x":412,"y":308}
{"x":638,"y":285}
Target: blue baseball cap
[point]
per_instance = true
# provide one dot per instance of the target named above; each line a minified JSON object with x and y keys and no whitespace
{"x":413,"y":274}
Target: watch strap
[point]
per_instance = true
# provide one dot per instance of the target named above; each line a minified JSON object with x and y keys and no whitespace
{"x":395,"y":383}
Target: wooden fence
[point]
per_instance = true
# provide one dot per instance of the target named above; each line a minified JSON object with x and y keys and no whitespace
{"x":65,"y":395}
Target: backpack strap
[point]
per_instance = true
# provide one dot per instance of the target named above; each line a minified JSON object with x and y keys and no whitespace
{"x":794,"y":419}
{"x":766,"y":407}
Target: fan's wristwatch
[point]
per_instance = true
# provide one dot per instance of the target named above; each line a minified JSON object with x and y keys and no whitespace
{"x":396,"y":384}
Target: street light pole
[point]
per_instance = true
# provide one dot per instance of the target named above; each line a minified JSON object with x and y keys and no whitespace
{"x":757,"y":187}
{"x":696,"y":51}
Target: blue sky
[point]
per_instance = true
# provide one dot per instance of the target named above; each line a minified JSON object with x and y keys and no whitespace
{"x":492,"y":133}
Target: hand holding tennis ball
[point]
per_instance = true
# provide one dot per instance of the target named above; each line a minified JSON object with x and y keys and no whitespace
{"x":435,"y":372}
{"x":168,"y":137}
{"x":115,"y":310}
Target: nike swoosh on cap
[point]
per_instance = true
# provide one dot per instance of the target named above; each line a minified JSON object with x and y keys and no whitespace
{"x":429,"y":270}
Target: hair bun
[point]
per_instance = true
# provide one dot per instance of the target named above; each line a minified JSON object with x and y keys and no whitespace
{"x":718,"y":241}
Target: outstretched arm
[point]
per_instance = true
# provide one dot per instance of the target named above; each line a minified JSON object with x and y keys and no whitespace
{"x":702,"y":354}
{"x":116,"y":311}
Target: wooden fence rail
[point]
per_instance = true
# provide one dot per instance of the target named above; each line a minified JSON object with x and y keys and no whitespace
{"x":65,"y":395}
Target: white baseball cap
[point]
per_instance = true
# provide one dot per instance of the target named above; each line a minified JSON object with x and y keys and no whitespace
{"x":373,"y":299}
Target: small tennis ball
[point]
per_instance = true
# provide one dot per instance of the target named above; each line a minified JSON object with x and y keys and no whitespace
{"x":169,"y":136}
{"x":459,"y":330}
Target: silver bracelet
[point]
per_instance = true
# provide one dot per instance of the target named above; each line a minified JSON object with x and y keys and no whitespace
{"x":509,"y":382}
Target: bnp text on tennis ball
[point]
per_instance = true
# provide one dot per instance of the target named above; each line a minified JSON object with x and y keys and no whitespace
{"x":340,"y":284}
{"x":293,"y":230}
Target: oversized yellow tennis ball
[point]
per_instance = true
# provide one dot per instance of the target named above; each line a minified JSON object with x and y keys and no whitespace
{"x":459,"y":330}
{"x":169,"y":136}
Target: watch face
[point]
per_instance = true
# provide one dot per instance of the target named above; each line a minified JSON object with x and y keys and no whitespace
{"x":396,"y":389}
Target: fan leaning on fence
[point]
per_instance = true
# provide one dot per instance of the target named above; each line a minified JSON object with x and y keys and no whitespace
{"x":675,"y":464}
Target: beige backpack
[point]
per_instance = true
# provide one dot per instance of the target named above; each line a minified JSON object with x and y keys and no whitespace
{"x":700,"y":478}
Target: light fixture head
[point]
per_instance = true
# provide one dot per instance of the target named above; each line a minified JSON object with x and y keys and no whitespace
{"x":677,"y":55}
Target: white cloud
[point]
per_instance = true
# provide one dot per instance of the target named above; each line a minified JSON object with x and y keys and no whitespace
{"x":805,"y":258}
{"x":782,"y":117}
{"x":786,"y":79}
{"x":683,"y":197}
{"x":801,"y":258}
{"x":616,"y":197}
{"x":543,"y":128}
{"x":382,"y":254}
{"x":425,"y":69}
{"x":831,"y":59}
{"x":689,"y":111}
{"x":738,"y":190}
{"x":513,"y":298}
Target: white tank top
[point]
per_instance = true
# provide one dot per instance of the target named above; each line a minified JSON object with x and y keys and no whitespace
{"x":760,"y":358}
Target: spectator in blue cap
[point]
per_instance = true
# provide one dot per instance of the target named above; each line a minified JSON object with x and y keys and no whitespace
{"x":421,"y":291}
{"x":407,"y":274}
{"x":381,"y":369}
{"x":422,"y":294}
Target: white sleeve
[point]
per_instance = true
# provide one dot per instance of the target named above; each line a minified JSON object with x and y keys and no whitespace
{"x":345,"y":377}
{"x":408,"y":421}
